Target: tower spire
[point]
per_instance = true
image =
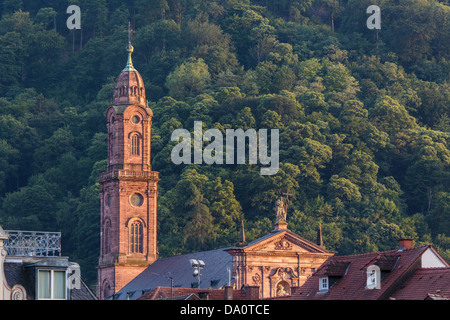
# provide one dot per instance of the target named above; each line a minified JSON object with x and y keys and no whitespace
{"x":130,"y":49}
{"x":128,"y":187}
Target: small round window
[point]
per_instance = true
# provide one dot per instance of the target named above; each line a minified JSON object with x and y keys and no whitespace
{"x":135,"y":119}
{"x":137,"y":199}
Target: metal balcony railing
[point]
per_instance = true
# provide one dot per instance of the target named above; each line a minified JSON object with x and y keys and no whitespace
{"x":33,"y":243}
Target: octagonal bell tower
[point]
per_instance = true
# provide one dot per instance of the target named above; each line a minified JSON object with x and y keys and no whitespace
{"x":128,"y":188}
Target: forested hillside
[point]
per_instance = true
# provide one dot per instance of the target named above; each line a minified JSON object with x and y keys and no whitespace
{"x":364,"y":118}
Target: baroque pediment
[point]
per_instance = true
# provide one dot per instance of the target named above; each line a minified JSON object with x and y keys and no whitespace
{"x":284,"y":241}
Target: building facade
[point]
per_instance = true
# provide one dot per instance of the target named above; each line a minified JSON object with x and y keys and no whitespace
{"x":128,"y":191}
{"x":277,"y":263}
{"x":32,"y":268}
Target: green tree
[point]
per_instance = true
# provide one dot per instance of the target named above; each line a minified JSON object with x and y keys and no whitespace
{"x":199,"y":229}
{"x":389,"y":116}
{"x":343,"y":189}
{"x":30,"y":208}
{"x":188,"y":79}
{"x":8,"y":166}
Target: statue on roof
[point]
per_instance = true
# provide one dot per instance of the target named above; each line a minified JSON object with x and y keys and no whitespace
{"x":281,"y":209}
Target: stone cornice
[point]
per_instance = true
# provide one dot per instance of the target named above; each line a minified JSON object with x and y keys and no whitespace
{"x":129,"y":174}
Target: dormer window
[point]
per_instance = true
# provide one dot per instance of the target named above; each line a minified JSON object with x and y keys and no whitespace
{"x":331,"y":274}
{"x":51,"y":284}
{"x":373,"y":277}
{"x":379,"y":268}
{"x":323,"y":284}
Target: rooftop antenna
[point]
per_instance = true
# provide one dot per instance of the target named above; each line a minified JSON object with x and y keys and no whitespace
{"x":169,"y":276}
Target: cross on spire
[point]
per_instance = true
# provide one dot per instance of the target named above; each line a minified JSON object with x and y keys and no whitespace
{"x":130,"y":49}
{"x":130,"y":32}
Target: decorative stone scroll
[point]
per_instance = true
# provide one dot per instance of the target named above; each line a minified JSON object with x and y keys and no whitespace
{"x":17,"y":292}
{"x":283,"y":244}
{"x":256,"y":279}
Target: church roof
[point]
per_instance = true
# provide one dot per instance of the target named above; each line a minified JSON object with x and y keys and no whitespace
{"x":214,"y":274}
{"x":178,"y":269}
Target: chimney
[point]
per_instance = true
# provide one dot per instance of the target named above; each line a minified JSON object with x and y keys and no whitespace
{"x":293,"y":289}
{"x":203,"y":295}
{"x":251,"y":292}
{"x":228,"y":293}
{"x":405,"y":244}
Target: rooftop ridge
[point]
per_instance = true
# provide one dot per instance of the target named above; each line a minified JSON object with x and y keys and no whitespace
{"x":383,"y":252}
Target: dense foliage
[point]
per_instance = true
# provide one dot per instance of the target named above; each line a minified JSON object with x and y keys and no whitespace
{"x":363,"y":117}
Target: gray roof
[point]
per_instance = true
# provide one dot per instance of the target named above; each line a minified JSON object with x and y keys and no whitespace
{"x":214,"y":274}
{"x":17,"y":272}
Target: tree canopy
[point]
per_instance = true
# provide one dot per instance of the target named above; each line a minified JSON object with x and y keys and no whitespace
{"x":363,"y":117}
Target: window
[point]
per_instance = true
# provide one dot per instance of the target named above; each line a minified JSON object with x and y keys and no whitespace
{"x":107,"y":244}
{"x":51,"y":284}
{"x":106,"y":289}
{"x":111,"y":146}
{"x":323,"y":284}
{"x":136,"y":237}
{"x":373,"y":277}
{"x":137,"y":199}
{"x":135,"y":145}
{"x":135,"y":119}
{"x":108,"y":200}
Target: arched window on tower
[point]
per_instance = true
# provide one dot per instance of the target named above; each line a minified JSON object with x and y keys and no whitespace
{"x":107,"y":243}
{"x":106,"y":289}
{"x":136,"y":237}
{"x":135,"y":143}
{"x":111,"y":146}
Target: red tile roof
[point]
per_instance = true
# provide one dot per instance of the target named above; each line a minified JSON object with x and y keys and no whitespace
{"x":425,"y":283}
{"x":352,"y":285}
{"x":161,"y":293}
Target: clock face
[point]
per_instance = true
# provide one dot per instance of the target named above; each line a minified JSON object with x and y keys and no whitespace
{"x":136,"y":199}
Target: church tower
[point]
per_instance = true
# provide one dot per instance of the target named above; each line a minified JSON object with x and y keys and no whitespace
{"x":128,"y":188}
